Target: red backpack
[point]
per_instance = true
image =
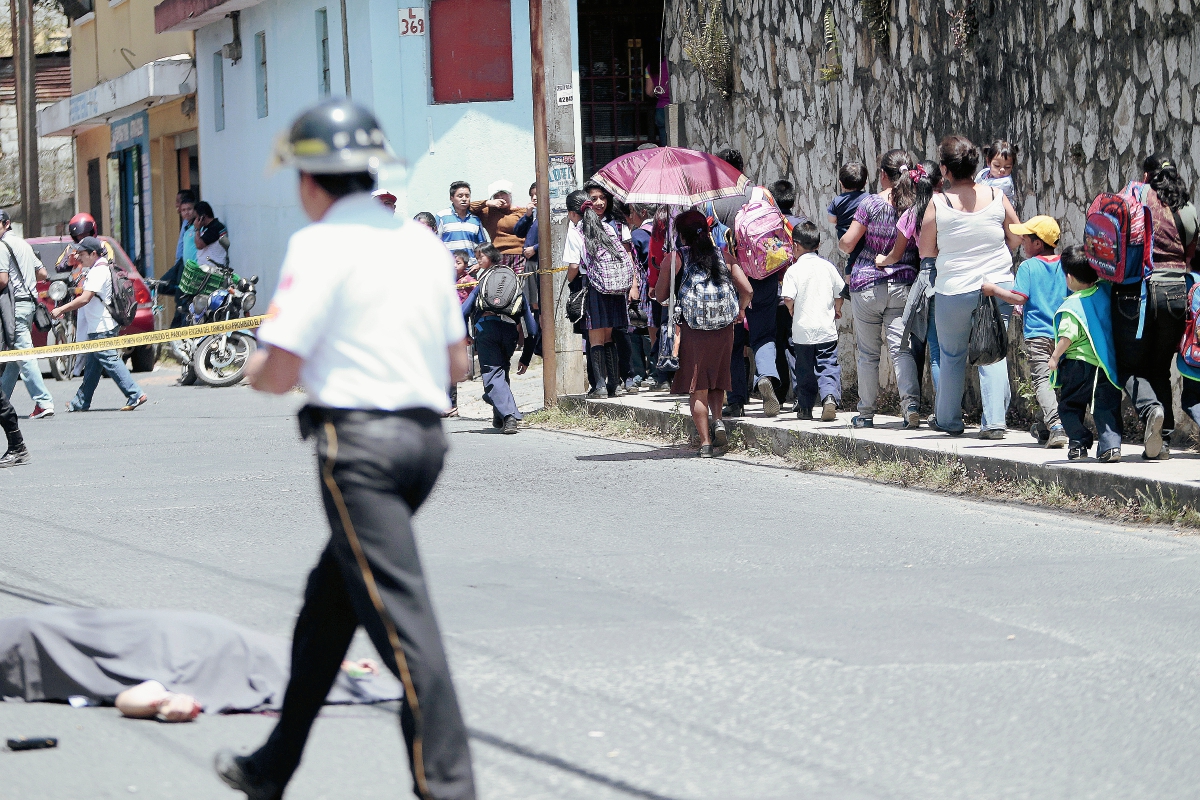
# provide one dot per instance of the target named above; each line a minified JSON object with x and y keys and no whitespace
{"x":1118,"y":237}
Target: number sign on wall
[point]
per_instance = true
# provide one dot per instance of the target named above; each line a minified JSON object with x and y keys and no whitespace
{"x":412,"y":21}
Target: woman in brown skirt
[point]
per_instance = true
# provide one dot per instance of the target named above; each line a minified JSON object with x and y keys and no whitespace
{"x":704,"y":355}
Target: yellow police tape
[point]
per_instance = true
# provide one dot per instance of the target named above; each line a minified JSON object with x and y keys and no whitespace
{"x":131,"y":340}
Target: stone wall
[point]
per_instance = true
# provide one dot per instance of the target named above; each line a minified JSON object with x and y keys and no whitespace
{"x":1085,"y":88}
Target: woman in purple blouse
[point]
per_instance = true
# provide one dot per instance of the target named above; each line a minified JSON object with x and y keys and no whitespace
{"x":878,"y":294}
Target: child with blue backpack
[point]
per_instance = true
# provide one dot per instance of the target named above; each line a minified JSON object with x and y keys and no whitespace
{"x":1039,"y":290}
{"x":1084,"y":361}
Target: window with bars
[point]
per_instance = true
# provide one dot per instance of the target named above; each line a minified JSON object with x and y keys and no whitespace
{"x":617,"y":40}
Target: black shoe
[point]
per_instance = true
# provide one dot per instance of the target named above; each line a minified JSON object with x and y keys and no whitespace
{"x":733,"y":410}
{"x":497,"y":420}
{"x":15,"y":457}
{"x":932,"y":424}
{"x":862,"y":422}
{"x":510,"y":425}
{"x":1109,"y":456}
{"x":231,"y":768}
{"x":803,"y":413}
{"x":706,"y":451}
{"x":1076,"y":452}
{"x":1039,"y":431}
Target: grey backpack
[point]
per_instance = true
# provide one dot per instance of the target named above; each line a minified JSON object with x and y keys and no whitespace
{"x":500,"y":292}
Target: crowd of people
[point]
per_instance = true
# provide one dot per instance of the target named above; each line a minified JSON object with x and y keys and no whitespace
{"x":918,"y":256}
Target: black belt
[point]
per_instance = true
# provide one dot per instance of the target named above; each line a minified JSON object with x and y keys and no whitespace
{"x":312,"y":417}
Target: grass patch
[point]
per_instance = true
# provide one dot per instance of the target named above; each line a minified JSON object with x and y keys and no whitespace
{"x":944,"y":474}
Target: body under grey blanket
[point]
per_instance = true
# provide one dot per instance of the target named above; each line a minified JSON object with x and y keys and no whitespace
{"x":56,"y":653}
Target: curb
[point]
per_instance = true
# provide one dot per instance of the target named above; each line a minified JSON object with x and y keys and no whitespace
{"x":780,"y":441}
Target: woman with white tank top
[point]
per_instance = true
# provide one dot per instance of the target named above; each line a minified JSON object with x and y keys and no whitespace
{"x":966,"y":228}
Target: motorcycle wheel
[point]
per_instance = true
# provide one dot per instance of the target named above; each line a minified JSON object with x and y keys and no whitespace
{"x":62,"y":367}
{"x":223,"y":363}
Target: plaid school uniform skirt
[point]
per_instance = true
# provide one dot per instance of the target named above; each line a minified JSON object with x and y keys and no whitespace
{"x":606,"y":310}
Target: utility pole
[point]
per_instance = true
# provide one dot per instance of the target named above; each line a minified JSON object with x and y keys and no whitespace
{"x":346,"y":48}
{"x":27,"y":139}
{"x":554,"y":139}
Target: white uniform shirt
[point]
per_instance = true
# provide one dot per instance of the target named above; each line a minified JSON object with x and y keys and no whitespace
{"x":368,"y":301}
{"x":813,"y":284}
{"x":575,"y":248}
{"x":95,"y":317}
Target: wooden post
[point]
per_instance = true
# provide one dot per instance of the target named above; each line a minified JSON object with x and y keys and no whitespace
{"x":554,"y":138}
{"x":27,"y":137}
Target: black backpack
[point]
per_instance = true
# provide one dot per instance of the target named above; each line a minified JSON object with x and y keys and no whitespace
{"x":123,"y":303}
{"x":500,"y":292}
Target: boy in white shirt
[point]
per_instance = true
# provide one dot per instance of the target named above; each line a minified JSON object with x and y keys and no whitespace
{"x":811,"y":290}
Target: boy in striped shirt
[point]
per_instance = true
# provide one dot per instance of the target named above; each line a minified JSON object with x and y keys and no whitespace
{"x":461,"y":230}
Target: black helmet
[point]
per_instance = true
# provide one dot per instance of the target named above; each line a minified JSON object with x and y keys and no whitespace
{"x":334,"y":137}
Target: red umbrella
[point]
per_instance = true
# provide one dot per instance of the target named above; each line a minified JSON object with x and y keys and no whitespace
{"x":670,"y":176}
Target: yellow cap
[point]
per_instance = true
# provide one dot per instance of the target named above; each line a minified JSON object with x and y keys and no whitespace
{"x":1043,"y":227}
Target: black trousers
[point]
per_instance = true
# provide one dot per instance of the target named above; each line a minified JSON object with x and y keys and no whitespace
{"x":376,"y":470}
{"x":1077,"y":379}
{"x":1144,"y":365}
{"x":8,"y":417}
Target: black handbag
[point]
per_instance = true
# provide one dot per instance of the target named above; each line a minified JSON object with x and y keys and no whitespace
{"x":989,"y":338}
{"x":576,"y":300}
{"x":41,"y":318}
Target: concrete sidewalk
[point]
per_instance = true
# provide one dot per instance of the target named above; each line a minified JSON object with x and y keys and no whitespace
{"x":1018,"y":456}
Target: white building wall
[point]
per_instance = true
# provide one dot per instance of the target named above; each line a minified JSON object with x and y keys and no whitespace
{"x":475,"y":142}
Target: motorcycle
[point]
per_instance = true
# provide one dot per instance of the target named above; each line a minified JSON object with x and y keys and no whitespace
{"x":218,"y":360}
{"x":62,"y":332}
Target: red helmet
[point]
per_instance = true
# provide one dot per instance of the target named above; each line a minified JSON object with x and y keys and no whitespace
{"x":81,"y":225}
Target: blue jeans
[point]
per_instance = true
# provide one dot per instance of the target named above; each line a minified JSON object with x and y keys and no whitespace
{"x":30,"y":372}
{"x":952,"y":313}
{"x":993,"y":381}
{"x":818,"y":374}
{"x":760,"y":317}
{"x":108,"y":362}
{"x":739,"y":395}
{"x":933,"y":352}
{"x":495,"y":343}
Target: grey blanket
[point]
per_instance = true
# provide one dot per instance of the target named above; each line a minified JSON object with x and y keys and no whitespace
{"x":57,"y":653}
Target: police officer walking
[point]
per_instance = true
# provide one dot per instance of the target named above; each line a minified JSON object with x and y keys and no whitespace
{"x":375,"y":358}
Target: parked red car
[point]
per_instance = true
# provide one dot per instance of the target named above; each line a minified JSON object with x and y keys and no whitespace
{"x":49,"y":249}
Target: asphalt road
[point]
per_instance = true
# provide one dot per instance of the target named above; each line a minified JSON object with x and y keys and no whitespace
{"x":625,"y":622}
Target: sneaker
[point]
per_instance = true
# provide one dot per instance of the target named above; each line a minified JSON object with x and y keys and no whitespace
{"x":720,"y":436}
{"x":130,"y":405}
{"x":232,"y":769}
{"x":1039,"y":431}
{"x":770,"y":400}
{"x":41,"y":413}
{"x":1076,"y":452}
{"x":73,"y":409}
{"x":599,"y":393}
{"x":510,"y":425}
{"x":733,"y":410}
{"x":804,"y":413}
{"x":632,"y":387}
{"x":1153,"y":438}
{"x":706,"y":451}
{"x":862,"y":422}
{"x":620,"y":391}
{"x":1109,"y":456}
{"x":15,"y":457}
{"x":992,"y":434}
{"x":828,"y":409}
{"x":451,"y":413}
{"x":912,"y":419}
{"x":1056,"y":438}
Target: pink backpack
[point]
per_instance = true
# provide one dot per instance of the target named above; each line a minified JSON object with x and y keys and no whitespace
{"x":763,"y":244}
